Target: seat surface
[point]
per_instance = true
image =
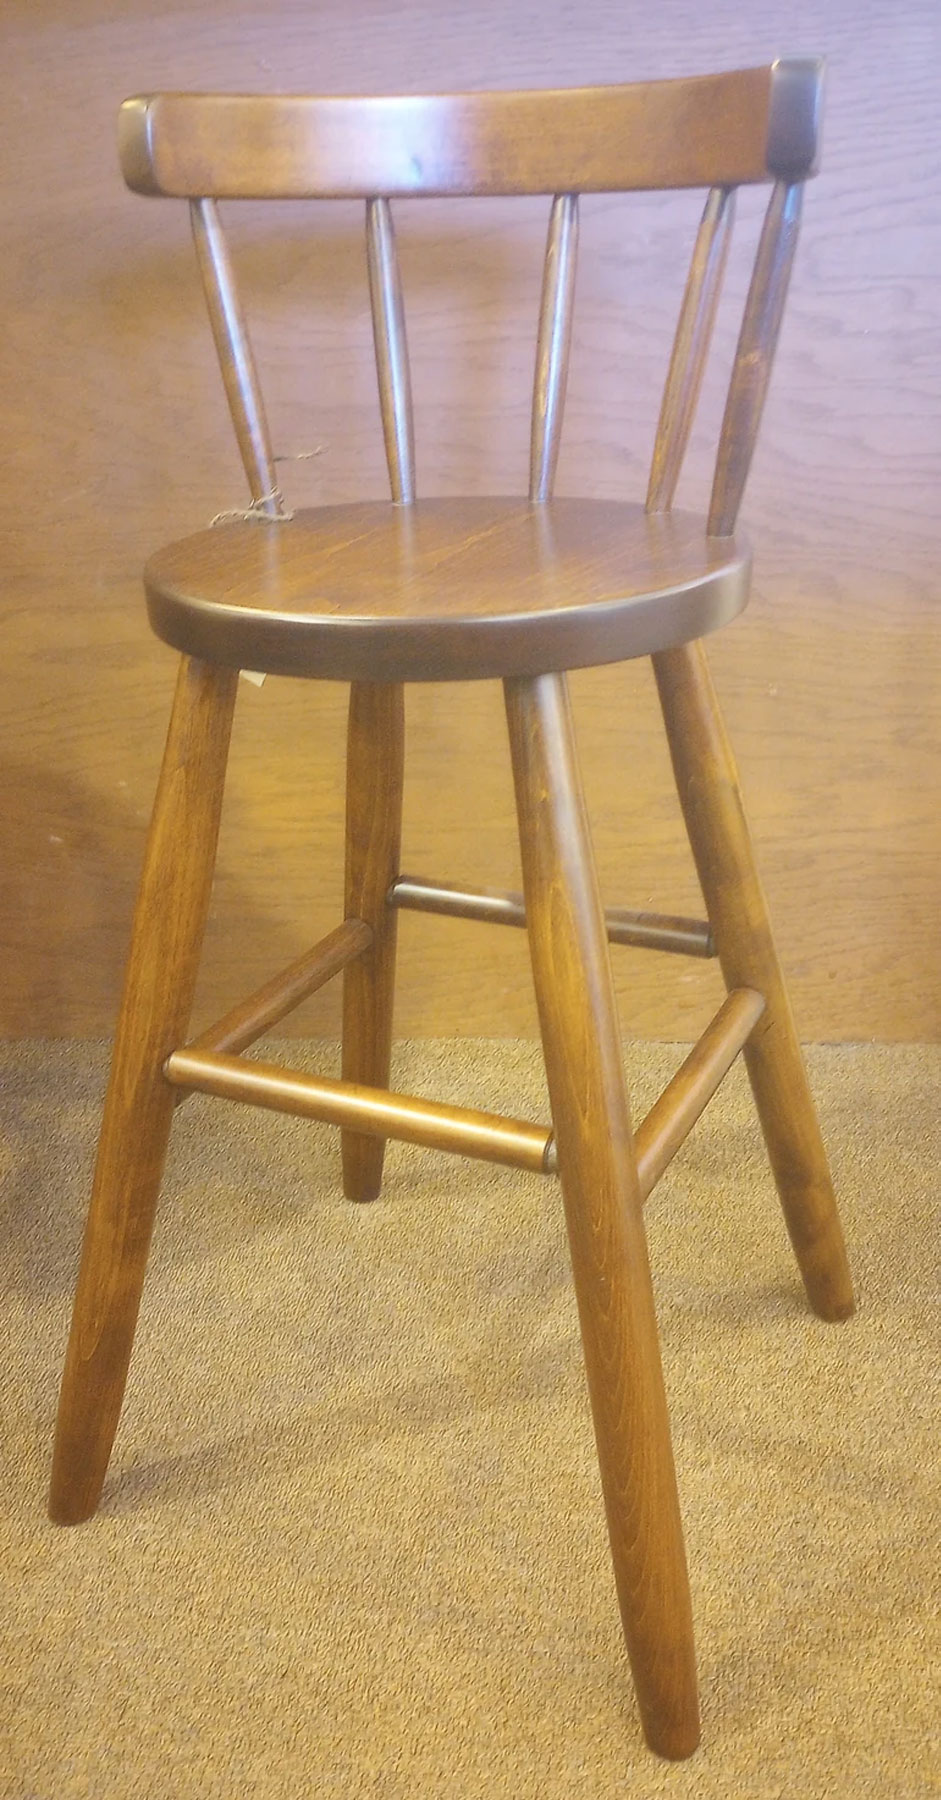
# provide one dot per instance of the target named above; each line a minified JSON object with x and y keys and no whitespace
{"x":444,"y":589}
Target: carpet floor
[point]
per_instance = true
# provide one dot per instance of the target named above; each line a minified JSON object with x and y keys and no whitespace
{"x":352,"y":1541}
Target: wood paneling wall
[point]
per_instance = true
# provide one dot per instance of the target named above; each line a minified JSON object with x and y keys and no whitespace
{"x":115,"y":438}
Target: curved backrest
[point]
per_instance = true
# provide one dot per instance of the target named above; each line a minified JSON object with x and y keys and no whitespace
{"x":714,"y":131}
{"x":707,"y":131}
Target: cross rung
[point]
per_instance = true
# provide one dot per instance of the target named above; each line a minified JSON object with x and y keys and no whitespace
{"x":673,"y":1116}
{"x":370,"y":1110}
{"x":645,"y":931}
{"x":489,"y":1136}
{"x":279,"y":996}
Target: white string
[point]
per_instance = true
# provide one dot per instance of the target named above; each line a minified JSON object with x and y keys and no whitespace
{"x":257,"y":510}
{"x":259,"y":507}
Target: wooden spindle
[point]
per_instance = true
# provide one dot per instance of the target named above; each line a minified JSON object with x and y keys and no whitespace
{"x":552,"y":348}
{"x":253,"y":1017}
{"x":392,"y":367}
{"x":754,"y":356}
{"x":684,"y":1099}
{"x":645,"y":931}
{"x":691,"y":347}
{"x":374,"y":1111}
{"x":234,"y":350}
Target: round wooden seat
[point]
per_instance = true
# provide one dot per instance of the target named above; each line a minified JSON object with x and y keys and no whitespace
{"x":444,"y":589}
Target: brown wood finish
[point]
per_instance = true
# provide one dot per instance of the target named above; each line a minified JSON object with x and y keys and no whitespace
{"x":234,"y":350}
{"x":673,"y":1115}
{"x":244,"y":1023}
{"x":582,"y":1043}
{"x":553,"y":345}
{"x":691,"y":347}
{"x":658,"y":931}
{"x":375,"y":752}
{"x":708,"y":787}
{"x":707,"y":131}
{"x":444,"y":589}
{"x":161,"y":976}
{"x":455,"y":590}
{"x":392,"y":368}
{"x":364,"y":1110}
{"x":830,"y":690}
{"x":751,"y":371}
{"x":644,"y":931}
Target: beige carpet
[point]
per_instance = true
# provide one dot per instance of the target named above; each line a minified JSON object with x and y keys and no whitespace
{"x":352,"y":1542}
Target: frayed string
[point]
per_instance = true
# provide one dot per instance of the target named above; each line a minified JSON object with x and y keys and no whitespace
{"x":258,"y":510}
{"x":259,"y":507}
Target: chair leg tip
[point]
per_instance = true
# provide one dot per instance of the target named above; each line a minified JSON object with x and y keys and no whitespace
{"x":65,"y":1509}
{"x":74,"y":1491}
{"x":830,"y":1289}
{"x":362,"y":1164}
{"x":674,"y":1745}
{"x":670,"y":1720}
{"x":834,"y":1311}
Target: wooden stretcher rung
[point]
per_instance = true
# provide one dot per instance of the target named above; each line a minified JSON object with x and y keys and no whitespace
{"x":279,"y":996}
{"x":489,"y":1136}
{"x":373,"y":1111}
{"x":644,"y":931}
{"x":673,"y":1116}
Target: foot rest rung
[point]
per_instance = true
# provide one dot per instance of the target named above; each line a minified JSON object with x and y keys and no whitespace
{"x":673,"y":1116}
{"x":279,"y":996}
{"x":373,"y":1111}
{"x":642,"y":930}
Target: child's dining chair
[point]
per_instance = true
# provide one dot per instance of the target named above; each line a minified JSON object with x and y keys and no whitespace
{"x":380,"y":594}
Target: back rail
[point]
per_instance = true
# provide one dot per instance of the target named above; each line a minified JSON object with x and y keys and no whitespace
{"x":705,"y":131}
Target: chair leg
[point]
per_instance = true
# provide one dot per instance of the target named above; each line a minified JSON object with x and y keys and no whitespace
{"x":373,"y":834}
{"x":598,"y":1173}
{"x":161,"y":975}
{"x":709,"y":793}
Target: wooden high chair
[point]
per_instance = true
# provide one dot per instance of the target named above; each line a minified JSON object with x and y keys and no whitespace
{"x":519,"y":590}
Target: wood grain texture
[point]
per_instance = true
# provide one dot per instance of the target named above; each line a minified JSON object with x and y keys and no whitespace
{"x":158,"y":991}
{"x":392,"y":366}
{"x":117,"y":439}
{"x":650,"y":931}
{"x":553,"y":344}
{"x":277,"y":998}
{"x":374,"y":767}
{"x":597,"y":1170}
{"x":708,"y":787}
{"x":682,"y":1101}
{"x":706,"y":131}
{"x":358,"y":1109}
{"x":754,"y":355}
{"x":691,"y":347}
{"x":236,"y":359}
{"x":444,"y":590}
